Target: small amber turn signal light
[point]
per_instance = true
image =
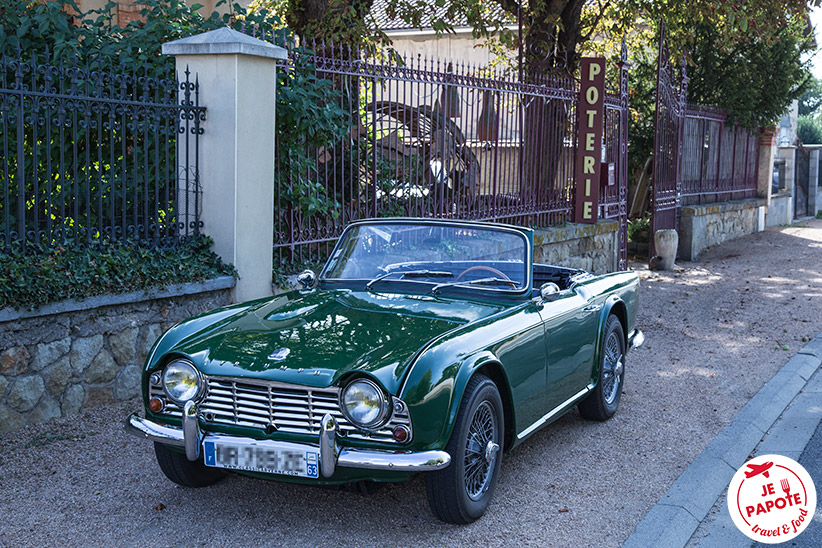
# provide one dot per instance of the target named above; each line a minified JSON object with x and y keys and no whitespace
{"x":155,"y":405}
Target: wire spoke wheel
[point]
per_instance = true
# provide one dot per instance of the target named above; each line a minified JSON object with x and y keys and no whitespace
{"x":461,"y":492}
{"x":612,"y":368}
{"x":483,"y":429}
{"x":602,"y":402}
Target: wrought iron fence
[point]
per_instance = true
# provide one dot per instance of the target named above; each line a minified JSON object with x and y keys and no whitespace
{"x":719,"y":159}
{"x":699,"y":157}
{"x":87,"y":154}
{"x":433,"y":139}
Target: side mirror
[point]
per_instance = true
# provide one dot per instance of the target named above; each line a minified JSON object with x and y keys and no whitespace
{"x":307,"y":279}
{"x":549,"y":291}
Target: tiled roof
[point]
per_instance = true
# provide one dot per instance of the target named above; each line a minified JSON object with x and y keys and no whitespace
{"x":379,"y":11}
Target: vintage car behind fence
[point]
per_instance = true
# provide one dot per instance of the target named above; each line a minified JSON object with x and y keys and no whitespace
{"x":423,"y":346}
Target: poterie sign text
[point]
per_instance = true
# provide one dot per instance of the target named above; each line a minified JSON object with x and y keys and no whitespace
{"x":589,"y":139}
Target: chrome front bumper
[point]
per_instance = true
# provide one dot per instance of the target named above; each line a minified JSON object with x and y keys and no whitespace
{"x":332,"y":455}
{"x":636,"y":339}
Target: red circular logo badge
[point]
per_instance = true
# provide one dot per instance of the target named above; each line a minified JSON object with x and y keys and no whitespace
{"x":771,"y":499}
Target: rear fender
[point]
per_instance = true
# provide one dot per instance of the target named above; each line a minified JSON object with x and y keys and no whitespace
{"x":615,"y":305}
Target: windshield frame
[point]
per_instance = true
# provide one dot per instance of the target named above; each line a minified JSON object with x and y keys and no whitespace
{"x":523,"y":233}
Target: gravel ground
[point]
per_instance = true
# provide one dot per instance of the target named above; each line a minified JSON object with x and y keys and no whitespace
{"x":717,"y":329}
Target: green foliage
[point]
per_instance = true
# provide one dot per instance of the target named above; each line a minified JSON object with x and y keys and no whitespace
{"x":309,"y":115}
{"x":34,"y":26}
{"x":639,"y":230}
{"x":809,"y":130}
{"x":309,"y":120}
{"x":811,"y":99}
{"x":56,"y":273}
{"x":753,"y":81}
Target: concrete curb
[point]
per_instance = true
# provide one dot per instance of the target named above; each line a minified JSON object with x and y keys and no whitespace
{"x":676,"y":515}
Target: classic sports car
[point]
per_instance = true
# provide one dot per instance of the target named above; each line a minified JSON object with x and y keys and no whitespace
{"x":423,"y":346}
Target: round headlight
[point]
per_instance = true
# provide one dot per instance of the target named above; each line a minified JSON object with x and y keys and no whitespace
{"x":364,"y":403}
{"x":181,"y":381}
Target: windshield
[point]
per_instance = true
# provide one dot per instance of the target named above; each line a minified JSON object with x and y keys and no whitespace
{"x":441,"y":255}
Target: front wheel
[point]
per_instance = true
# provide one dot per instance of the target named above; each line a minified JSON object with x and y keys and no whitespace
{"x":602,"y":402}
{"x":461,"y":492}
{"x":184,"y":472}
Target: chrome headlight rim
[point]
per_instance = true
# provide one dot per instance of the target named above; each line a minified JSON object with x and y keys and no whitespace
{"x":385,"y":405}
{"x":200,"y":381}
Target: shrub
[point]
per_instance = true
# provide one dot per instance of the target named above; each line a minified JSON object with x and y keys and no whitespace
{"x":809,"y":130}
{"x":56,"y":273}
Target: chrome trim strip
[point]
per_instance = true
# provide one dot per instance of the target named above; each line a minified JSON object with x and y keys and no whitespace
{"x":192,"y":436}
{"x":397,"y":461}
{"x":554,"y":412}
{"x":636,"y":339}
{"x":145,"y":428}
{"x":423,"y":461}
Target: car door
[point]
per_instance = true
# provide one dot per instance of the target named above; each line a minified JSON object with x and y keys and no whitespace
{"x":571,"y":321}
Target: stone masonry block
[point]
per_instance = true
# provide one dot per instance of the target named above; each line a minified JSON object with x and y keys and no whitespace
{"x":25,"y":393}
{"x":84,"y":350}
{"x":73,"y":400}
{"x":124,"y":345}
{"x":58,"y":377}
{"x":49,"y":353}
{"x":103,"y":368}
{"x":9,"y":420}
{"x":14,"y":361}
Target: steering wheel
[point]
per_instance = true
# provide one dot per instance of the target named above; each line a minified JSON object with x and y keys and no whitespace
{"x":482,"y":267}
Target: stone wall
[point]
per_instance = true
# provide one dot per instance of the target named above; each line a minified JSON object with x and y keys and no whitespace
{"x":707,"y":225}
{"x":591,"y":247}
{"x":66,"y":356}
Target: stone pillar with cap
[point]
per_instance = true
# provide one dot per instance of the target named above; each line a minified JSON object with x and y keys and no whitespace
{"x":237,"y":85}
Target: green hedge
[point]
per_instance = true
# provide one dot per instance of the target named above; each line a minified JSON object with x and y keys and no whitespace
{"x":55,"y":274}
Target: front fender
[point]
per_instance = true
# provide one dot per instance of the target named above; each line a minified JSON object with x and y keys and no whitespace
{"x":434,"y":393}
{"x":607,"y":308}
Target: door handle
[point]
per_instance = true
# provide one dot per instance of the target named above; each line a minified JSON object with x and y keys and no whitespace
{"x":592,"y":308}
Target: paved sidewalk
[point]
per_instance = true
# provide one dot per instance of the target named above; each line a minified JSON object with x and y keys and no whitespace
{"x":784,"y":417}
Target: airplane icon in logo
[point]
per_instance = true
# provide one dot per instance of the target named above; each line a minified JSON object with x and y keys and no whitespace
{"x":758,"y":469}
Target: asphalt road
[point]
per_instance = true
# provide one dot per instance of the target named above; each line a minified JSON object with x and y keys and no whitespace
{"x":717,"y":331}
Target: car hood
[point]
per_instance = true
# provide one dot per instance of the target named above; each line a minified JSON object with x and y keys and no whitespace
{"x":315,"y":337}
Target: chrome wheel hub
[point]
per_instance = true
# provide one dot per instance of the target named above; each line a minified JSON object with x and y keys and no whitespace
{"x":491,"y":451}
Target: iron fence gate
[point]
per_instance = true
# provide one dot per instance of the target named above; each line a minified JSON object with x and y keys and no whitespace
{"x":88,"y":154}
{"x":699,"y":157}
{"x":434,"y":139}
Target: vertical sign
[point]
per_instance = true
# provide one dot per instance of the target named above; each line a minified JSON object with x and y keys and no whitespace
{"x":589,"y":139}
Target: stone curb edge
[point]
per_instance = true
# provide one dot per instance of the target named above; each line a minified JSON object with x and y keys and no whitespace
{"x":73,"y":305}
{"x":676,"y":515}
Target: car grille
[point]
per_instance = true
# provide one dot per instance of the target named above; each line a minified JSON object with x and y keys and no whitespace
{"x":292,"y":409}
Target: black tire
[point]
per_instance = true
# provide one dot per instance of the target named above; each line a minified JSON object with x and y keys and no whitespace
{"x":603,"y":401}
{"x":184,"y":472}
{"x":453,"y":495}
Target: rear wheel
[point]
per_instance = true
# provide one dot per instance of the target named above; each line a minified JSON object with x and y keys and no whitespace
{"x":461,"y":492}
{"x":603,"y":401}
{"x":184,"y":472}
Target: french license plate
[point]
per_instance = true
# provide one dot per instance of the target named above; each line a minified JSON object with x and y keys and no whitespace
{"x":272,"y":458}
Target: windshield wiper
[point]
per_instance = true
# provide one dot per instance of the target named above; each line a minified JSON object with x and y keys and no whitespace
{"x":411,"y":274}
{"x":482,"y":281}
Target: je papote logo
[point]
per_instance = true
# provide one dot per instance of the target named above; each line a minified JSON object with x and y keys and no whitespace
{"x":771,"y":499}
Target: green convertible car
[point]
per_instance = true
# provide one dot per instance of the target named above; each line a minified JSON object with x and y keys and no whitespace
{"x":423,"y":346}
